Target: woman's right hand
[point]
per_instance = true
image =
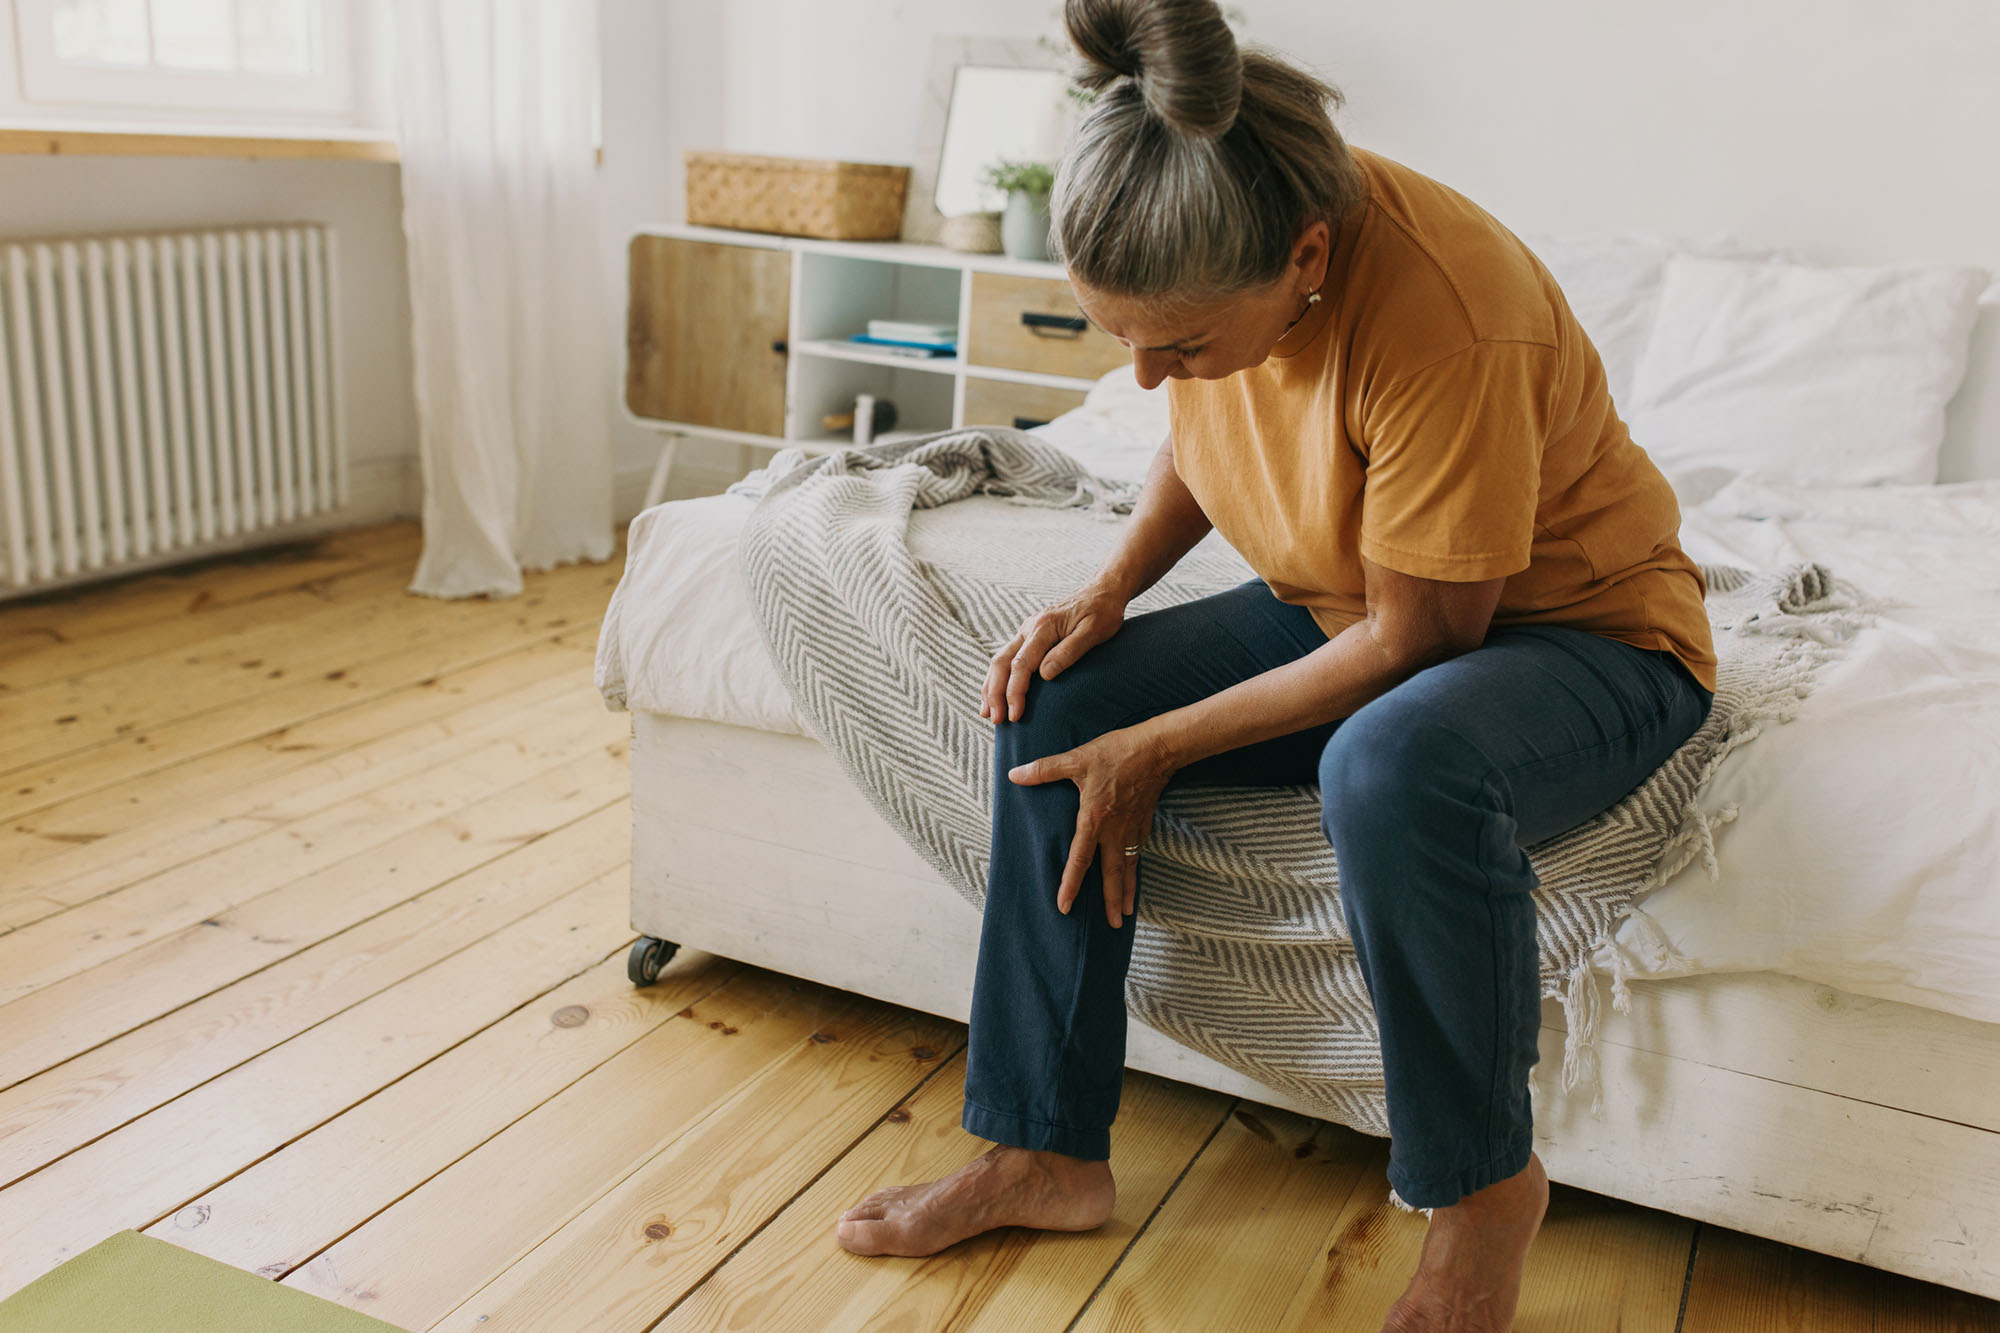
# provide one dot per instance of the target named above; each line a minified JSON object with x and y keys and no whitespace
{"x":1049,"y":642}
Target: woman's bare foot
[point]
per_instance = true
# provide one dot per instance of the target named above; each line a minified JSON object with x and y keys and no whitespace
{"x":1469,"y":1276}
{"x":1005,"y":1187}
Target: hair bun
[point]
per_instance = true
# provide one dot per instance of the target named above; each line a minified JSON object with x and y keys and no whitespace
{"x":1180,"y":54}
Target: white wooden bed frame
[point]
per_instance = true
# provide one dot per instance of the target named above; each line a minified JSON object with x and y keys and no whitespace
{"x":1859,"y":1128}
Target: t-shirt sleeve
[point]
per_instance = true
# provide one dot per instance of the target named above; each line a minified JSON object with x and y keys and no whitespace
{"x":1454,"y":463}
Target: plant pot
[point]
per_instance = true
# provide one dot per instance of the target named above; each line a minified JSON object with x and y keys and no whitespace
{"x":971,"y":233}
{"x":1024,"y":226}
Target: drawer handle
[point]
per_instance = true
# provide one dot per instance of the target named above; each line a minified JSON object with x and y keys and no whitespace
{"x":1029,"y":423}
{"x":1054,"y":326}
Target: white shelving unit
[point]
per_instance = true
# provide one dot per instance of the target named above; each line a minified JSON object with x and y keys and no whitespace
{"x":836,"y":288}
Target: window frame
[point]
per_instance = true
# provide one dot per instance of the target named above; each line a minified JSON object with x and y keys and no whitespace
{"x":328,"y":97}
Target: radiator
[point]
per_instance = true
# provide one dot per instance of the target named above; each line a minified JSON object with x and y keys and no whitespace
{"x":163,"y":394}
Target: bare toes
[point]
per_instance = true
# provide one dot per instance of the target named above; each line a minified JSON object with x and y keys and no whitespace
{"x":859,"y":1237}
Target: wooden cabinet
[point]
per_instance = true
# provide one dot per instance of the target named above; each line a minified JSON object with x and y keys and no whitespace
{"x":706,"y":326}
{"x":749,"y":337}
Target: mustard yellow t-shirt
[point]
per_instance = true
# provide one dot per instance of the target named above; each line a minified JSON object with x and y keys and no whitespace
{"x":1442,"y":413}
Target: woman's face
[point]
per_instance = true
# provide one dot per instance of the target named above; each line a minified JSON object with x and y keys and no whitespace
{"x":1213,"y":339}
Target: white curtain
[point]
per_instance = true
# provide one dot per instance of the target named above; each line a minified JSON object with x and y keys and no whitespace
{"x":496,"y":115}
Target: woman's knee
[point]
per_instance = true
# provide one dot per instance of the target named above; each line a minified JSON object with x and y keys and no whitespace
{"x":1386,"y":770}
{"x":1057,"y":715}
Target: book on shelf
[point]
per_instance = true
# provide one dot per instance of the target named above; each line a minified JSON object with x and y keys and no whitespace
{"x":912,"y":331}
{"x":900,"y":347}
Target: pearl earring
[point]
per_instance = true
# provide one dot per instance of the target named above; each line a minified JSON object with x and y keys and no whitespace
{"x":1312,"y":298}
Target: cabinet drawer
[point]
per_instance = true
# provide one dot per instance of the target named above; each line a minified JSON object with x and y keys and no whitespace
{"x":1034,"y":324}
{"x":998,"y":403}
{"x":705,"y":334}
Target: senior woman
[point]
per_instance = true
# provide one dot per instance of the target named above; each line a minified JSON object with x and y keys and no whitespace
{"x":1473,"y":626}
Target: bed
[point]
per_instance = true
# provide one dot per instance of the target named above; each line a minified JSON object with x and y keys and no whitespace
{"x":1809,"y":1048}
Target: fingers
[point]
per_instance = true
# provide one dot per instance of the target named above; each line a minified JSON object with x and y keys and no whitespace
{"x":1041,"y":636}
{"x":1081,"y":849}
{"x":993,"y":697}
{"x":1116,"y":868}
{"x":1048,"y":644}
{"x":1049,"y":768}
{"x":1118,"y":872}
{"x":1072,"y":646}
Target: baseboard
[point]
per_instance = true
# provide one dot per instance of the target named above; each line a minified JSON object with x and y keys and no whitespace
{"x":390,"y":487}
{"x":378,"y":491}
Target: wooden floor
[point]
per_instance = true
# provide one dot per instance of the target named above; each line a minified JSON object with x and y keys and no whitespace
{"x":312,"y":960}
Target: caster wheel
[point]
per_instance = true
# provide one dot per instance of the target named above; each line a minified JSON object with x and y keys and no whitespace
{"x":647,"y":958}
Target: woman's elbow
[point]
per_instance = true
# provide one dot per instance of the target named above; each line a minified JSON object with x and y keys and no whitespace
{"x":1408,"y":649}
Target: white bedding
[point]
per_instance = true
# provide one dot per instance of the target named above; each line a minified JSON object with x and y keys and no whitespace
{"x":679,"y":637}
{"x":1867,"y":852}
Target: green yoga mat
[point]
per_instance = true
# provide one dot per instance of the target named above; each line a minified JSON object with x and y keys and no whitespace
{"x":137,"y":1284}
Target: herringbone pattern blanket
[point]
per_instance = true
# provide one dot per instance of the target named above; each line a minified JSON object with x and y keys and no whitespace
{"x":886,"y":577}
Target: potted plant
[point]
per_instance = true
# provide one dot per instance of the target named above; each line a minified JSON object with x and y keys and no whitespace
{"x":1024,"y":226}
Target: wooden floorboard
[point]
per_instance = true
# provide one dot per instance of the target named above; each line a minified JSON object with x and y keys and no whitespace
{"x":204,"y":633}
{"x":51,"y":623}
{"x":100,"y":842}
{"x":322,"y":974}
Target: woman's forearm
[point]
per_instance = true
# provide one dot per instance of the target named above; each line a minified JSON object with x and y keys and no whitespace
{"x":1166,"y":524}
{"x":1328,"y":683}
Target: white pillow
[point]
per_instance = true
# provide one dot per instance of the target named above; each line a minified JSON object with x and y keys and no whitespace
{"x":1118,"y":430}
{"x":1823,"y":376}
{"x":1612,"y":284}
{"x":1972,"y":422}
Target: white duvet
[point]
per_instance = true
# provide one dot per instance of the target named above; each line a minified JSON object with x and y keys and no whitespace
{"x":1866,"y":849}
{"x":1866,"y":854}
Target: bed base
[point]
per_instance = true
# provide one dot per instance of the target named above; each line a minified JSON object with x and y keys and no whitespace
{"x":1855,"y":1127}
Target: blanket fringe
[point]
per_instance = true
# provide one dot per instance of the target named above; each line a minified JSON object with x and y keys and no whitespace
{"x":1403,"y":1206}
{"x":1660,"y":956}
{"x":1582,"y":1003}
{"x":1107,"y":501}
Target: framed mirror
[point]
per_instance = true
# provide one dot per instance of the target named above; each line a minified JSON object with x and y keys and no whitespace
{"x":997,"y":113}
{"x":986,"y":98}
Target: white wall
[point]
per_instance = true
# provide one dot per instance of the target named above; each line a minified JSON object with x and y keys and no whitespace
{"x":1850,"y":130}
{"x":662,"y":93}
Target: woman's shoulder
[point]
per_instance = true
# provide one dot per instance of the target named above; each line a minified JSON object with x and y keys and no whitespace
{"x":1433,"y":268}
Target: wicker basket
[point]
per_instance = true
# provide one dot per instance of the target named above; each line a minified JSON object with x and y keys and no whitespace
{"x":796,"y":196}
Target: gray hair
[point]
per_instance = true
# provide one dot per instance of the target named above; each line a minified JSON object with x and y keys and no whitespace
{"x":1192,"y":171}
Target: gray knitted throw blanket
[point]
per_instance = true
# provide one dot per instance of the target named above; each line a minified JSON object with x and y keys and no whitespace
{"x":886,"y":577}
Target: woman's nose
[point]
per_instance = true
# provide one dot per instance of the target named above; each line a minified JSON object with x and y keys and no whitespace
{"x":1150,"y":368}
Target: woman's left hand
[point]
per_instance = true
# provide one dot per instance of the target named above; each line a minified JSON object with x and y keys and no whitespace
{"x":1119,"y":777}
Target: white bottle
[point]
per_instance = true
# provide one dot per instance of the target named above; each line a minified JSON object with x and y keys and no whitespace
{"x":864,"y":418}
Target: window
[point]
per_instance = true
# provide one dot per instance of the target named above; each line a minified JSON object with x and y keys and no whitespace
{"x":291,"y":58}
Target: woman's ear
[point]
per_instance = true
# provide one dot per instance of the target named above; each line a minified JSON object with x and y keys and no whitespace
{"x":1310,"y":251}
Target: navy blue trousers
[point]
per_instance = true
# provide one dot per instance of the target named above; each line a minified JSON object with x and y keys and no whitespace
{"x":1428,"y":796}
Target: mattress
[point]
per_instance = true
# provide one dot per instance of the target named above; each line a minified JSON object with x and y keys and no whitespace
{"x":1858,"y":845}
